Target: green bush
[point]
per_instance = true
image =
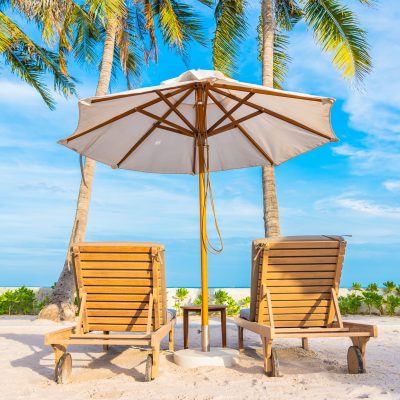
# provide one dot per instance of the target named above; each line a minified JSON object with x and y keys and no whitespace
{"x":180,"y":296}
{"x":356,"y":286}
{"x":372,"y":299}
{"x":350,"y":304}
{"x":221,"y":296}
{"x":198,"y":300}
{"x":19,"y":301}
{"x":392,"y":302}
{"x":245,"y":302}
{"x":372,"y":287}
{"x":390,"y":287}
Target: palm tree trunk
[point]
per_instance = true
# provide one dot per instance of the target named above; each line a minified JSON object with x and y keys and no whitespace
{"x":61,"y":300}
{"x":270,"y":201}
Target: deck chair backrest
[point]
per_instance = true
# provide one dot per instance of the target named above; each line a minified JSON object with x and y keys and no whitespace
{"x":300,"y":273}
{"x":117,"y":282}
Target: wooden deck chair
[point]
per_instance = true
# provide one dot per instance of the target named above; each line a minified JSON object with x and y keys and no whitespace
{"x":121,"y":288}
{"x":294,"y":288}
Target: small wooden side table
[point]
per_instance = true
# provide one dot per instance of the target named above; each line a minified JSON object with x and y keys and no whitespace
{"x":197,"y":309}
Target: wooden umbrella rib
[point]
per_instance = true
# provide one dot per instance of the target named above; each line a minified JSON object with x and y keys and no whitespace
{"x":267,"y":91}
{"x":231,"y":111}
{"x":121,"y":96}
{"x":165,"y":121}
{"x":123,"y":115}
{"x":152,"y":129}
{"x":176,"y":111}
{"x":243,"y":131}
{"x":234,"y":123}
{"x":273,"y":114}
{"x":170,"y":129}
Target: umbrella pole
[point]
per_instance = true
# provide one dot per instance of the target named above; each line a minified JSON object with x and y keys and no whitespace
{"x":200,"y":122}
{"x":205,"y":335}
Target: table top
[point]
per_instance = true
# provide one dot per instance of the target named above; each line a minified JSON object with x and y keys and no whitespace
{"x":193,"y":307}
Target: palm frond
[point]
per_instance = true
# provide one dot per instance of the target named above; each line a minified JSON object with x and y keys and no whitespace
{"x":287,"y":14}
{"x":31,"y":62}
{"x":178,"y":24}
{"x":230,"y":31}
{"x":337,"y":30}
{"x":127,"y":51}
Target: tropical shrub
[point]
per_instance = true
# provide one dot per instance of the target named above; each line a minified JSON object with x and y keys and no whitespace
{"x":372,"y":299}
{"x":390,"y":287}
{"x":221,"y":296}
{"x":245,"y":302}
{"x":198,"y":300}
{"x":392,"y":302}
{"x":356,"y":286}
{"x":372,"y":287}
{"x":350,"y":304}
{"x":180,"y":296}
{"x":19,"y":301}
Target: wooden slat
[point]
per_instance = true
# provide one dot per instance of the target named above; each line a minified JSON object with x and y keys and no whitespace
{"x":115,"y":304}
{"x":298,"y":282}
{"x":99,"y":265}
{"x":117,"y":282}
{"x":300,"y":310}
{"x":302,"y":260}
{"x":295,"y":324}
{"x":328,"y":244}
{"x":114,"y":249}
{"x":299,"y":317}
{"x":115,"y":256}
{"x":301,"y":275}
{"x":299,"y":297}
{"x":91,"y":273}
{"x":118,"y":320}
{"x":117,"y":313}
{"x":118,"y":328}
{"x":118,"y":289}
{"x":295,"y":304}
{"x":301,"y":289}
{"x":303,"y":252}
{"x":302,"y":267}
{"x":119,"y":297}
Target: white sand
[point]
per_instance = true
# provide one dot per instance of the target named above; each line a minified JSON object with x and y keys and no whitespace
{"x":26,"y":368}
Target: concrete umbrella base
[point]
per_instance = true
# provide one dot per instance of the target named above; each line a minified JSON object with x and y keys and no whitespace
{"x":216,"y":357}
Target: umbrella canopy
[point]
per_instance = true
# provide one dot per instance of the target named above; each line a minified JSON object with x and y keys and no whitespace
{"x":199,"y":122}
{"x":155,"y":129}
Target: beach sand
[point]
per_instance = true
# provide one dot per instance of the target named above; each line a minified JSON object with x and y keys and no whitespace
{"x":26,"y":368}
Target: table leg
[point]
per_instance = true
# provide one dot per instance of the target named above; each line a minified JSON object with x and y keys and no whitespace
{"x":185,"y":328}
{"x":223,"y":326}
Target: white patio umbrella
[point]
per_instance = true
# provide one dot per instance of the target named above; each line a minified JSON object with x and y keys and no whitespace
{"x":198,"y":122}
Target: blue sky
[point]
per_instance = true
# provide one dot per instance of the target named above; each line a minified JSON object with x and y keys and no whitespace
{"x":352,"y":187}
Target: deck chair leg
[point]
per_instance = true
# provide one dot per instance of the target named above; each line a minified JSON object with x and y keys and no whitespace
{"x":171,"y":338}
{"x":240,"y":339}
{"x":267,"y":352}
{"x":356,"y":355}
{"x":106,"y":346}
{"x":156,"y":359}
{"x":59,"y":351}
{"x":305,"y":344}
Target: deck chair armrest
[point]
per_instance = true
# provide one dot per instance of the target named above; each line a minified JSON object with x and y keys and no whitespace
{"x":260,"y":329}
{"x":357,"y":327}
{"x":60,"y":334}
{"x":163,"y":331}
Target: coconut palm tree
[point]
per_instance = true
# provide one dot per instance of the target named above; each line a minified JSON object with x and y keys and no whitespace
{"x":27,"y":59}
{"x":336,"y":30}
{"x":128,"y":30}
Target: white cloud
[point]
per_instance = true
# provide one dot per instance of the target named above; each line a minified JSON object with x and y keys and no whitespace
{"x":393,"y":186}
{"x":348,"y":201}
{"x":370,"y":160}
